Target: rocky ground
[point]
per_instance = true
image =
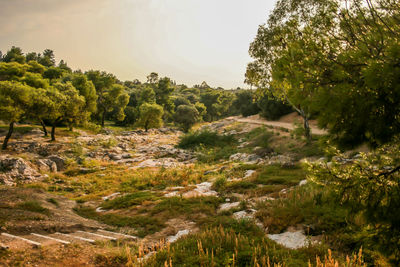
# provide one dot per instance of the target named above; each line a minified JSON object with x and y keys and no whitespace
{"x":86,"y":182}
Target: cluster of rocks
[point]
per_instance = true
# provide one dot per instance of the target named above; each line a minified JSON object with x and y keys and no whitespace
{"x":268,"y":160}
{"x":18,"y":170}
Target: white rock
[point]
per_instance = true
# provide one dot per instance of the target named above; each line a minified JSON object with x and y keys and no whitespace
{"x":178,"y":235}
{"x":228,"y":206}
{"x":292,"y":240}
{"x":303,"y":182}
{"x":244,"y":214}
{"x":249,"y":173}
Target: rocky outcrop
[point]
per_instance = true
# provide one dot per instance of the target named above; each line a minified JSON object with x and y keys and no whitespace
{"x":17,"y":170}
{"x":59,"y":161}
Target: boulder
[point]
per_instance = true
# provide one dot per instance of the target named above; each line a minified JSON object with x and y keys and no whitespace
{"x":14,"y":170}
{"x":60,"y":162}
{"x":46,"y":165}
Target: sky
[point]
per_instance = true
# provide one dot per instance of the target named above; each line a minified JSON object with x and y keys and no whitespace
{"x":189,"y":41}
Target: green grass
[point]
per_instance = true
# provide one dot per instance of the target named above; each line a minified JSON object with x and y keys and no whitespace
{"x":206,"y":139}
{"x":221,"y":246}
{"x":274,"y":174}
{"x":129,"y":200}
{"x":192,"y":208}
{"x":143,"y":224}
{"x":33,"y":206}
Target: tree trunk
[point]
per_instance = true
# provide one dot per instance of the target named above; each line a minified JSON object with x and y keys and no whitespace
{"x":146,"y":126}
{"x":306,"y":125}
{"x":10,"y":131}
{"x":103,"y":116}
{"x":307,"y":129}
{"x":53,"y":132}
{"x":44,"y":128}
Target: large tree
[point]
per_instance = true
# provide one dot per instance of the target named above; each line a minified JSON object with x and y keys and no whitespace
{"x":150,"y":116}
{"x":15,"y":99}
{"x":186,"y":116}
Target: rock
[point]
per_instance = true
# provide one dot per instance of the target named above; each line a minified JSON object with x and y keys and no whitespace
{"x":111,"y":196}
{"x":244,"y":214}
{"x":281,"y":160}
{"x":114,"y":156}
{"x":126,"y":156}
{"x":60,"y":162}
{"x":163,"y":162}
{"x":13,"y":170}
{"x":46,"y":165}
{"x":178,"y":235}
{"x":303,"y":182}
{"x":292,"y":240}
{"x":249,"y":173}
{"x":201,"y":190}
{"x":228,"y":206}
{"x":244,"y":157}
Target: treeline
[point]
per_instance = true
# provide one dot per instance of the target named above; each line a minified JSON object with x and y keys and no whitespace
{"x":34,"y":88}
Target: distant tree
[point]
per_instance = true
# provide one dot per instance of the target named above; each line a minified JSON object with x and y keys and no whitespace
{"x":12,"y":71}
{"x":152,"y":78}
{"x":181,"y":100}
{"x":14,"y":55}
{"x":87,"y":90}
{"x":114,"y":100}
{"x":146,"y":95}
{"x":53,"y":73}
{"x":163,"y":92}
{"x":150,"y":116}
{"x":14,"y":100}
{"x":202,"y":109}
{"x":186,"y":116}
{"x":47,"y":59}
{"x":35,"y":67}
{"x":245,"y":103}
{"x":272,"y":109}
{"x":212,"y":100}
{"x":64,"y":66}
{"x":32,"y":56}
{"x":35,"y":80}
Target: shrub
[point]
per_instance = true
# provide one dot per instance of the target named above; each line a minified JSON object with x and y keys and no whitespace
{"x":205,"y":138}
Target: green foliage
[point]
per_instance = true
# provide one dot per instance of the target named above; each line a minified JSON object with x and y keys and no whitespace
{"x":272,"y":109}
{"x":129,"y":200}
{"x":370,"y":185}
{"x":186,"y":116}
{"x":144,"y":225}
{"x":245,"y":103}
{"x":150,"y":116}
{"x":205,"y":138}
{"x":338,"y":62}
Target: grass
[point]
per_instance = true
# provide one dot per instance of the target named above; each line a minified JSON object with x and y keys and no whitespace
{"x":129,"y":200}
{"x":33,"y":206}
{"x":191,"y":208}
{"x":206,"y":139}
{"x":273,"y":174}
{"x":220,"y":246}
{"x":144,"y":225}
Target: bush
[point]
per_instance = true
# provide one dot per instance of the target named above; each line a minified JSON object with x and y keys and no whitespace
{"x":205,"y":138}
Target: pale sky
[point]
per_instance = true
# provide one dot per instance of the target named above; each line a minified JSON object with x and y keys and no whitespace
{"x":189,"y":41}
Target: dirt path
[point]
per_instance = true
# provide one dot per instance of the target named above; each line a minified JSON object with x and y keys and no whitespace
{"x":260,"y":121}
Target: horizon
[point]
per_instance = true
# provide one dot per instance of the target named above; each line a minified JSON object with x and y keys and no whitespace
{"x":189,"y":41}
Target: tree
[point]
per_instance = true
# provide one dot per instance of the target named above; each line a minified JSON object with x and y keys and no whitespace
{"x":14,"y":55}
{"x":53,"y":73}
{"x":211,"y":99}
{"x":270,"y":108}
{"x":150,"y":116}
{"x":163,"y":92}
{"x":15,"y":98}
{"x":47,"y":58}
{"x":68,"y":106}
{"x":111,"y":96}
{"x":152,"y":78}
{"x":245,"y":103}
{"x":12,"y":71}
{"x":186,"y":116}
{"x":201,"y":108}
{"x":330,"y":58}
